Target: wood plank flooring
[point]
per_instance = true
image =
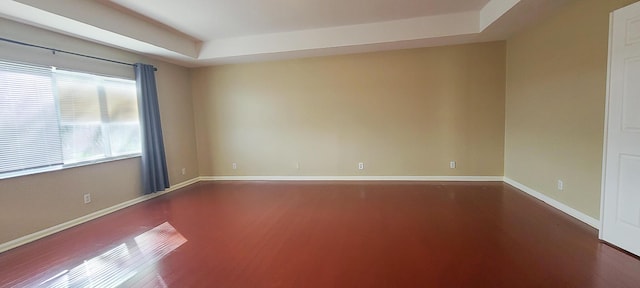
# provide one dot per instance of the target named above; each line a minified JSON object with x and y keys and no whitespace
{"x":326,"y":234}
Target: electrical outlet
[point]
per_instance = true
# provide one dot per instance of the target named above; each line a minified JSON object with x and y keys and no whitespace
{"x":452,"y":164}
{"x":298,"y":165}
{"x":361,"y":166}
{"x":560,"y":185}
{"x":87,"y":198}
{"x":184,"y":171}
{"x":234,"y":166}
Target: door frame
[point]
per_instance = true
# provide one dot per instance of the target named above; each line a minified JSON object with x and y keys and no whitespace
{"x":606,"y":128}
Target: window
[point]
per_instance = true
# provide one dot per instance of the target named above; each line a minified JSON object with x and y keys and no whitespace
{"x":50,"y":118}
{"x":98,"y":116}
{"x":29,"y":133}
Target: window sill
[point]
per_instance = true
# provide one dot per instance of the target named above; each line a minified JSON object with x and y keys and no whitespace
{"x":28,"y":172}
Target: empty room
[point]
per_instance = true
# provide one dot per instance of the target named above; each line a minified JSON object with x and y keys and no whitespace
{"x":246,"y":143}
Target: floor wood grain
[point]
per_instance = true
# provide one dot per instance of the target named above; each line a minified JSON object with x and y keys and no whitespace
{"x":327,"y":234}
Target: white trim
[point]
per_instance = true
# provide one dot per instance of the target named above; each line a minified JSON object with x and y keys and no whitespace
{"x":495,"y":9}
{"x":352,"y":178}
{"x":52,"y":230}
{"x":554,"y":203}
{"x":606,"y":130}
{"x":66,"y":225}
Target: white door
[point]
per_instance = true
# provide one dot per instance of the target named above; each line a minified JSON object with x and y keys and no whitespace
{"x":621,"y":179}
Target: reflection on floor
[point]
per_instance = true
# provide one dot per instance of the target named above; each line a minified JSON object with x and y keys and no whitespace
{"x":327,"y":234}
{"x":120,"y":264}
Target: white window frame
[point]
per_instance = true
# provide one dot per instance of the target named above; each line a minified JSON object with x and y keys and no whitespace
{"x":103,"y":126}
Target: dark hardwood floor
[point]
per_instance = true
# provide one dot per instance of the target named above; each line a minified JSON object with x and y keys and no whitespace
{"x":321,"y":234}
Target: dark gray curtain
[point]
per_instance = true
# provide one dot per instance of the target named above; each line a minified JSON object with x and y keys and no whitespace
{"x":155,"y":176}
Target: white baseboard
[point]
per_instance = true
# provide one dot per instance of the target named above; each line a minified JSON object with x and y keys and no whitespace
{"x":66,"y":225}
{"x":352,"y":178}
{"x":51,"y":230}
{"x":555,"y":204}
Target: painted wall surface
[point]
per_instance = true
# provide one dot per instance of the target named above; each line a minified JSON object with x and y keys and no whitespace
{"x":555,"y":103}
{"x":35,"y":202}
{"x":402,"y":113}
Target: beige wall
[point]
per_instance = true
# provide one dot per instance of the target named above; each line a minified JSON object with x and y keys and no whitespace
{"x":402,"y":113}
{"x":176,"y":112}
{"x":32,"y":203}
{"x":555,"y":104}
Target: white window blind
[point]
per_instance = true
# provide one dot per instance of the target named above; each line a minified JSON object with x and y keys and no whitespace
{"x":51,"y":117}
{"x":28,"y":118}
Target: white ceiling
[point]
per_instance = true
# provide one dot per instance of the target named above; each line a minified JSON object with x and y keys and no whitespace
{"x":201,"y":32}
{"x":209,"y":20}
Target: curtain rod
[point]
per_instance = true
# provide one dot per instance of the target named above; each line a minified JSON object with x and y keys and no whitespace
{"x":54,"y":50}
